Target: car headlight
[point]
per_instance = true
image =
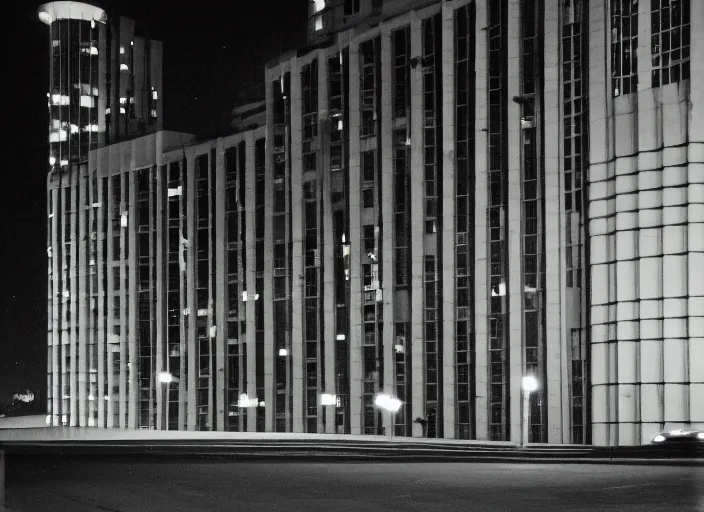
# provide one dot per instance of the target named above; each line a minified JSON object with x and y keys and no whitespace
{"x":658,"y":439}
{"x":700,"y":435}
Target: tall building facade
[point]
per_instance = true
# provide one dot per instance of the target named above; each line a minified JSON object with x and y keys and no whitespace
{"x":442,"y":199}
{"x":104,"y":83}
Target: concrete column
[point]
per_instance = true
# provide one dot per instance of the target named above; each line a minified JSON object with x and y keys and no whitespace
{"x":250,"y":280}
{"x":695,"y":215}
{"x":387,"y":223}
{"x":417,"y":231}
{"x":515,"y":214}
{"x":56,"y":306}
{"x":221,"y":309}
{"x":480,"y":269}
{"x":556,"y":338}
{"x":270,"y":352}
{"x":81,"y":294}
{"x":132,"y":306}
{"x":101,"y":212}
{"x":108,"y":210}
{"x":190,"y":332}
{"x":355,"y":306}
{"x":446,"y":259}
{"x":297,"y":234}
{"x":644,"y":46}
{"x":72,"y":273}
{"x":162,"y":350}
{"x":599,"y":96}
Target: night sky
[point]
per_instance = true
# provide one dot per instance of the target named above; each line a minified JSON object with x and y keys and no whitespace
{"x":212,"y":50}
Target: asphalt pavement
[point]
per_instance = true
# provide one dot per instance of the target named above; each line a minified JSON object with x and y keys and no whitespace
{"x":92,"y":484}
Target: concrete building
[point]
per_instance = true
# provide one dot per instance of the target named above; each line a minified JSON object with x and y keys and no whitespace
{"x":443,"y":198}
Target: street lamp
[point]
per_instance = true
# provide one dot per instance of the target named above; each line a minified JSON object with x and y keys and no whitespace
{"x":166,"y":378}
{"x":390,"y":405}
{"x":530,"y":384}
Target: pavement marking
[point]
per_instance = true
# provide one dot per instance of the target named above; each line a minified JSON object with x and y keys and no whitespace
{"x":625,"y":486}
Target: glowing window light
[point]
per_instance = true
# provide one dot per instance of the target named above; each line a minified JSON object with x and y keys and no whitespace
{"x":328,"y":399}
{"x":55,"y":43}
{"x":155,"y":95}
{"x":153,"y":112}
{"x":92,"y":128}
{"x":74,"y":128}
{"x":173,"y":192}
{"x":319,"y":23}
{"x":107,"y":111}
{"x":52,"y":160}
{"x":340,"y":337}
{"x":122,"y":110}
{"x":64,"y":162}
{"x":87,"y":101}
{"x":318,"y":5}
{"x":123,"y":220}
{"x":123,"y":101}
{"x":55,"y":98}
{"x":123,"y":67}
{"x":283,"y":352}
{"x":96,"y":92}
{"x":92,"y":23}
{"x":122,"y":50}
{"x":58,"y":136}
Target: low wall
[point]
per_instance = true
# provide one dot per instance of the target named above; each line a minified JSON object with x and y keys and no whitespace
{"x":116,"y":434}
{"x":22,"y":422}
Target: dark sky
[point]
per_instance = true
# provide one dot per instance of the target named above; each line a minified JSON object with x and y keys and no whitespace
{"x":212,"y":49}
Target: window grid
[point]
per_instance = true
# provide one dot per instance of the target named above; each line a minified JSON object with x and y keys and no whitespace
{"x":575,"y":151}
{"x":533,"y":215}
{"x":497,"y":211}
{"x":464,"y":180}
{"x":624,"y":45}
{"x":282,"y":276}
{"x":670,"y":41}
{"x":368,"y":94}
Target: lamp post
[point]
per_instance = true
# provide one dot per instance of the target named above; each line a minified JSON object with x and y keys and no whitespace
{"x":166,"y":378}
{"x":390,"y":405}
{"x":530,"y":384}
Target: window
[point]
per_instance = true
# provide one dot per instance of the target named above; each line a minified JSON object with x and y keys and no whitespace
{"x":624,"y":44}
{"x":670,"y":41}
{"x":351,"y":7}
{"x":368,"y":165}
{"x":368,"y":197}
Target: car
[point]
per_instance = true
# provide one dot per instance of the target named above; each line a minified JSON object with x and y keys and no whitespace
{"x":679,"y":437}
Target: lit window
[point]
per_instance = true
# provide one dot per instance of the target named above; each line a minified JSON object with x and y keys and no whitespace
{"x":155,"y":96}
{"x":319,"y":23}
{"x":92,"y":128}
{"x":123,"y":101}
{"x":93,"y":50}
{"x":122,"y":50}
{"x":87,"y":101}
{"x":153,"y":112}
{"x":52,"y":160}
{"x":107,"y":111}
{"x":318,"y":5}
{"x":55,"y":43}
{"x":58,"y":136}
{"x":123,"y":67}
{"x":64,"y":162}
{"x":122,"y":110}
{"x":74,"y":128}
